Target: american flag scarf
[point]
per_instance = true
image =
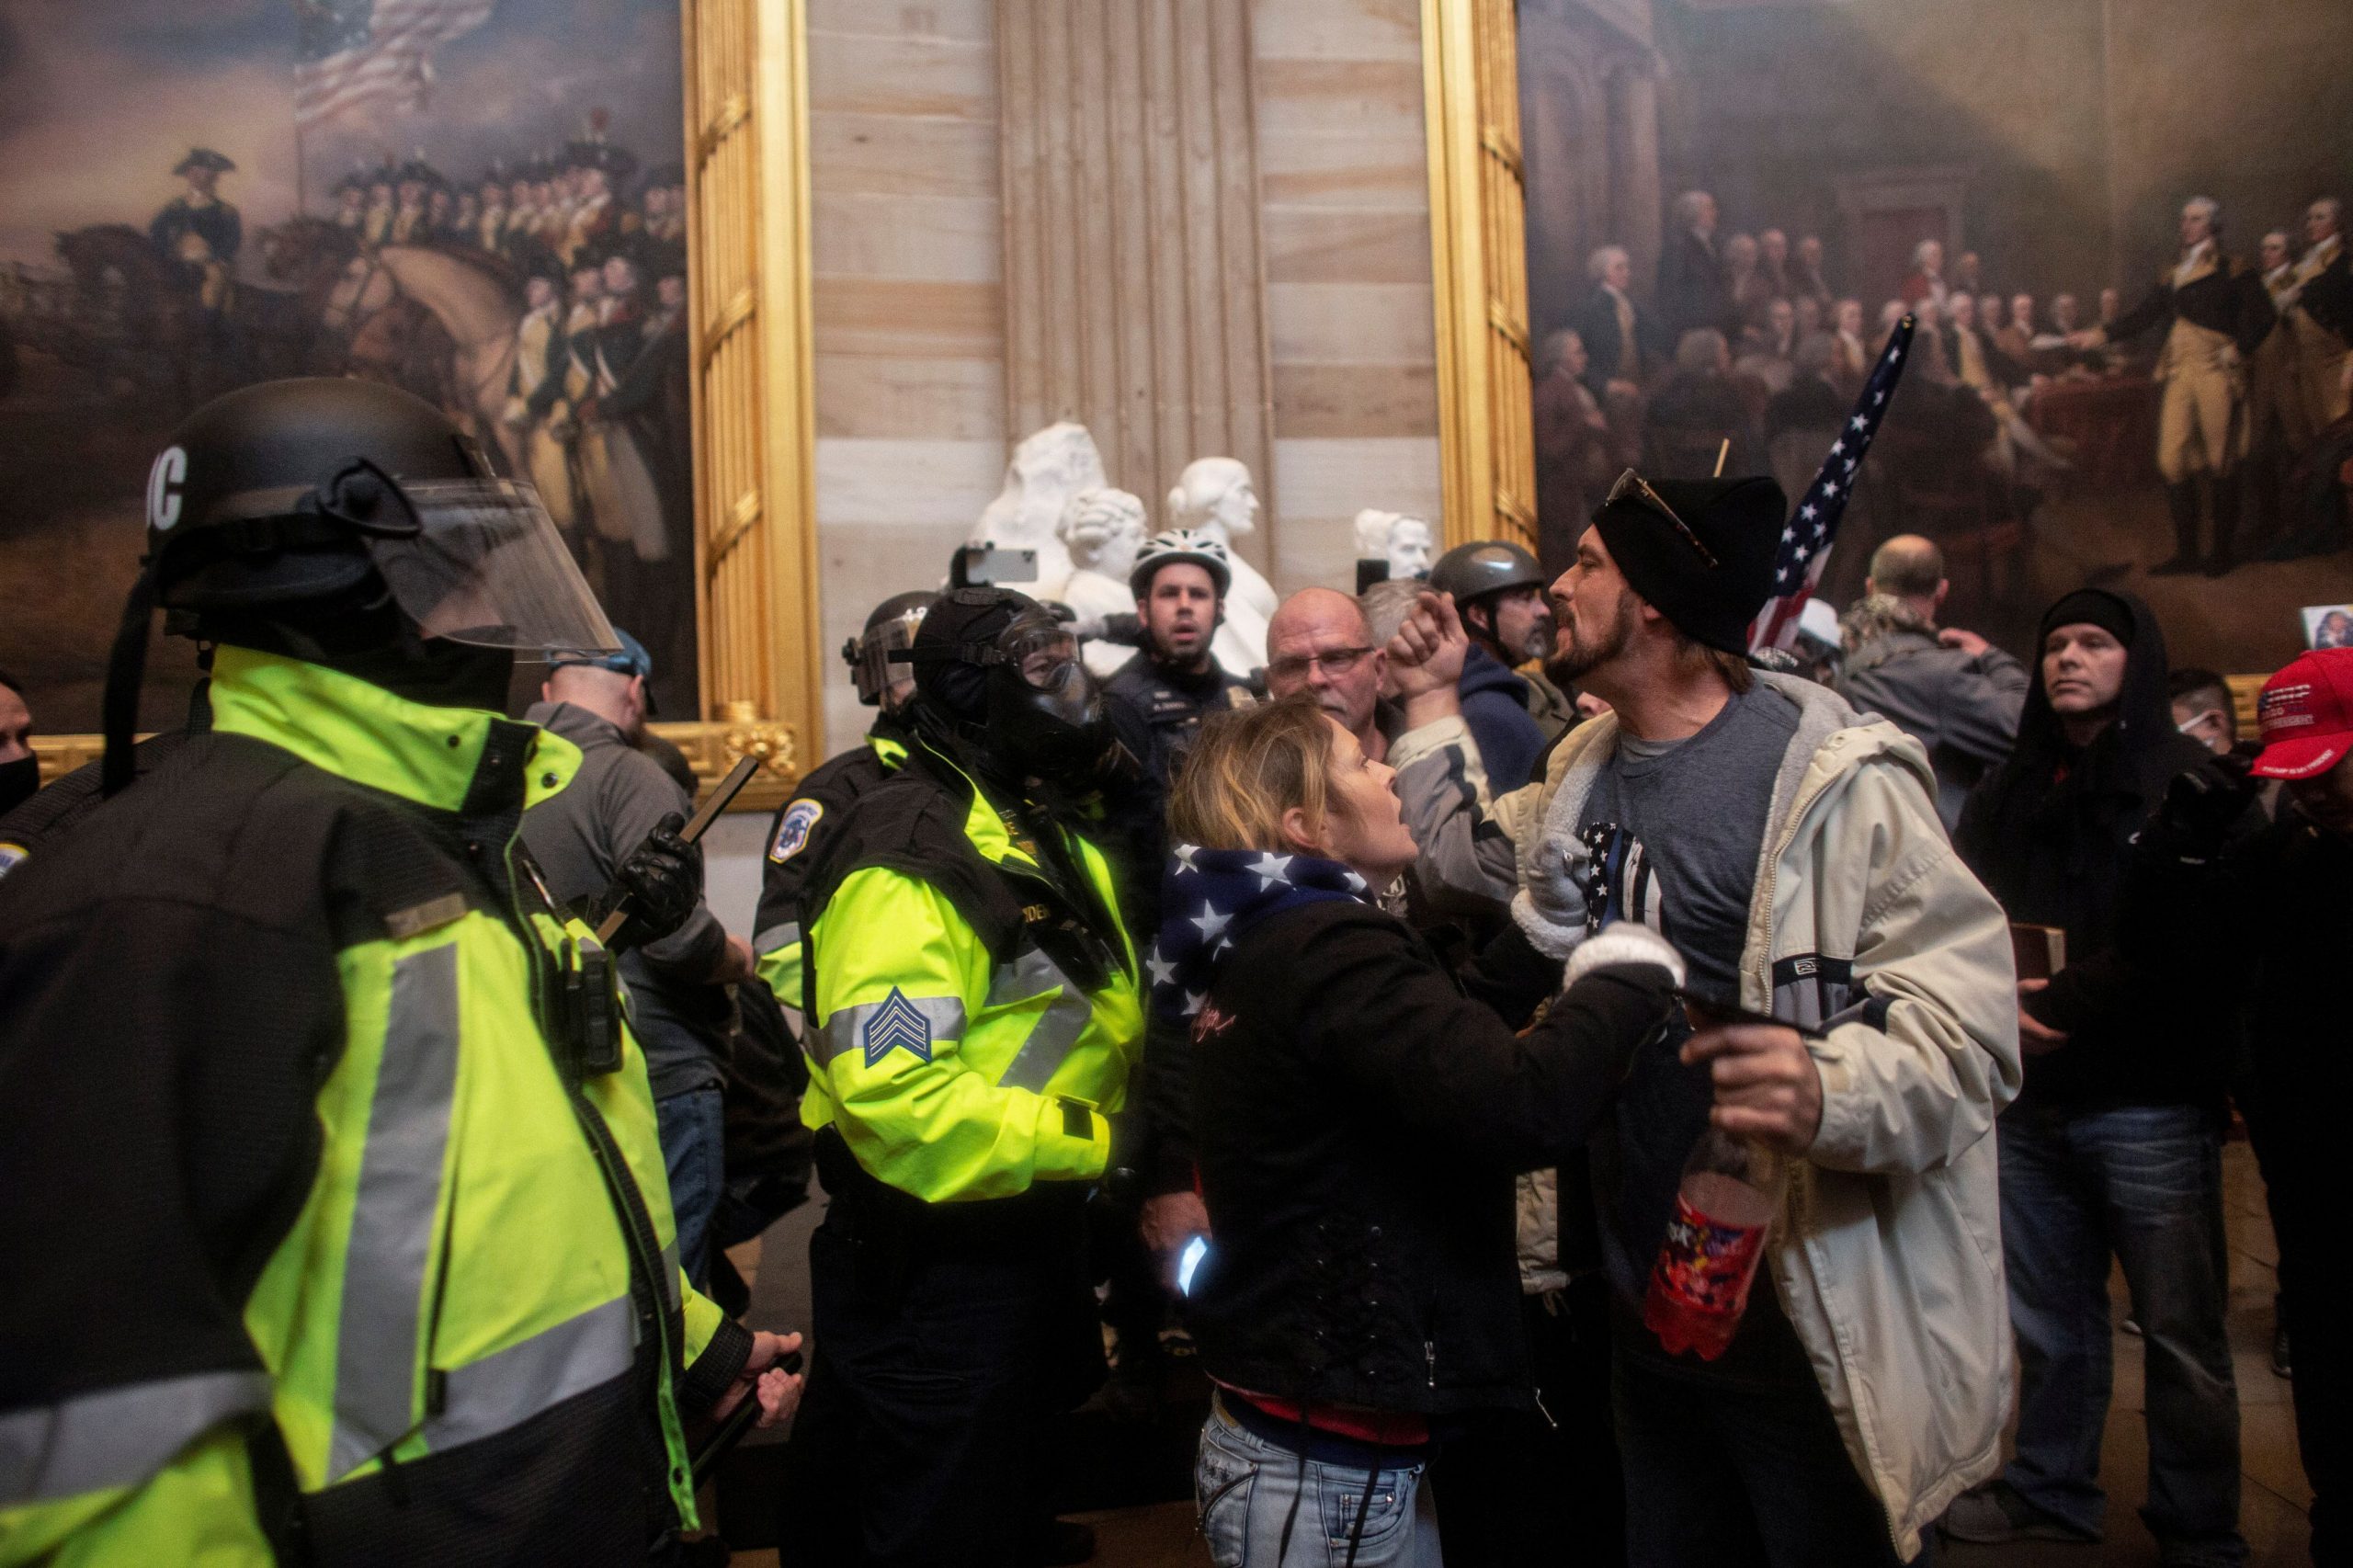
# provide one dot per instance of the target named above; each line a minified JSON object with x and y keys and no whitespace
{"x":1210,"y":897}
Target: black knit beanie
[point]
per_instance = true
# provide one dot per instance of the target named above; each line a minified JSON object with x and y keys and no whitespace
{"x":1737,"y":521}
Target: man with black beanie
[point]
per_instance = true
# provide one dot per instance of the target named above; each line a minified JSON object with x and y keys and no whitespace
{"x":1790,"y":850}
{"x":2114,"y":1146}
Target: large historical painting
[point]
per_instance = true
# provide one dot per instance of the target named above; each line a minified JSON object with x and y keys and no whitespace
{"x":2118,"y":227}
{"x":482,"y":201}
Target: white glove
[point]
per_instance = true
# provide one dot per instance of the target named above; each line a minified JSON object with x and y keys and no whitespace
{"x":1623,"y":942}
{"x":1550,"y":904}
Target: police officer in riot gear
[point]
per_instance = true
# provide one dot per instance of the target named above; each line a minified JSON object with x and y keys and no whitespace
{"x":806,"y":823}
{"x":336,"y":1229}
{"x":972,"y":1018}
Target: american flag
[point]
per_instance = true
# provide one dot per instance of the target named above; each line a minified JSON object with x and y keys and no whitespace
{"x":1805,"y":542}
{"x":354,"y":51}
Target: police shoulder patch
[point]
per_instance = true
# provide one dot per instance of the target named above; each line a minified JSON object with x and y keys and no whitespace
{"x":793,"y":829}
{"x":897,"y":1022}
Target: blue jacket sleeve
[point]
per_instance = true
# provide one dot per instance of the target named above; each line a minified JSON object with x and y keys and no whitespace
{"x":1509,"y":742}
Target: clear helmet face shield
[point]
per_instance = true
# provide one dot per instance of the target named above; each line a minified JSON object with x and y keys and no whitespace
{"x":484,"y":566}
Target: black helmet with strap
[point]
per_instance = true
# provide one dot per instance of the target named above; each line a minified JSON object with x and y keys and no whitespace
{"x":310,"y":492}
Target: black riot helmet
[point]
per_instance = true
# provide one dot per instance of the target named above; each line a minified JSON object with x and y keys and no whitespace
{"x":998,"y":679}
{"x":297,"y":495}
{"x":890,"y":628}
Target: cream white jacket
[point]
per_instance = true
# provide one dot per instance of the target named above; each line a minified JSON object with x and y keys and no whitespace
{"x":1888,"y":1255}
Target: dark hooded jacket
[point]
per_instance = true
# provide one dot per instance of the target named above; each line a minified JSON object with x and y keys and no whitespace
{"x":2048,"y":833}
{"x":1495,"y":706}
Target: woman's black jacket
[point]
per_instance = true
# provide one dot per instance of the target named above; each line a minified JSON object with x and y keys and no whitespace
{"x":1358,"y":1121}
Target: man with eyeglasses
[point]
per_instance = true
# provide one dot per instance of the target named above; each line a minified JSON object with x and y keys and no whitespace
{"x":1319,"y":641}
{"x":1854,"y":1010}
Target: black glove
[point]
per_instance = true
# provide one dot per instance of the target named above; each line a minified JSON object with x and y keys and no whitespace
{"x":659,"y":884}
{"x":2202,"y":804}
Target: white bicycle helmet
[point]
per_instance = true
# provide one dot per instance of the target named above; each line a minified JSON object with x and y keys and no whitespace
{"x":1181,"y":544}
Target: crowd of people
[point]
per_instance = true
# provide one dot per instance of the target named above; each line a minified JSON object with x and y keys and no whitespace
{"x":1745,"y":340}
{"x":1579,"y":1089}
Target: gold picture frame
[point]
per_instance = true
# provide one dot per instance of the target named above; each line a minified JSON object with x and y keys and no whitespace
{"x":745,"y":78}
{"x":749,"y":291}
{"x":1479,"y":272}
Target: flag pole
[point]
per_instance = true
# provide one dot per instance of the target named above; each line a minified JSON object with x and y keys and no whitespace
{"x":1721,"y":453}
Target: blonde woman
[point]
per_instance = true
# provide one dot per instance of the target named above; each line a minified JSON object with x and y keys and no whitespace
{"x":1358,"y":1120}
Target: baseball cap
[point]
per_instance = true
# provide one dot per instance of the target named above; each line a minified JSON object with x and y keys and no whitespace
{"x":630,"y":659}
{"x":2306,"y":715}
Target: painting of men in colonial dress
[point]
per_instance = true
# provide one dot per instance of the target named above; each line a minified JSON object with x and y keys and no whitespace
{"x":481,"y":201}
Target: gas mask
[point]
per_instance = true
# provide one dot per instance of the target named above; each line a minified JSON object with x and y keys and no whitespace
{"x":1045,"y":711}
{"x":1002,"y":679}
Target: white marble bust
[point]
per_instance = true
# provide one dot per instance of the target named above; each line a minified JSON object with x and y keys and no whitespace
{"x":1215,"y":497}
{"x":1047,"y":468}
{"x":1404,"y":542}
{"x":1102,"y":528}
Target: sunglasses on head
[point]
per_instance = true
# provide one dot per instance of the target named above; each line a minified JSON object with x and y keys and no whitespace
{"x":1632,"y":486}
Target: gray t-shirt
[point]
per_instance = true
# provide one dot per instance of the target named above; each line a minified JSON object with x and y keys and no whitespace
{"x":1696,"y":809}
{"x":1693,"y":813}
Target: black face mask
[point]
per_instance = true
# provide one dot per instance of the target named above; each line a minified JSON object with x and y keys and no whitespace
{"x":18,"y":782}
{"x":1045,"y":709}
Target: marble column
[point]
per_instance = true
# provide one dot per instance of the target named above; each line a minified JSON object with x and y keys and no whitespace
{"x":1134,"y":293}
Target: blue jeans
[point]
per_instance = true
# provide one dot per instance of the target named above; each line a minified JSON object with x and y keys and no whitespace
{"x":2145,"y":1184}
{"x":694,"y":1149}
{"x":1245,"y":1487}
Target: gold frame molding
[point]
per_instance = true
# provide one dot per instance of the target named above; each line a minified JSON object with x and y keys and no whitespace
{"x":1478,"y":254}
{"x":748,"y":288}
{"x":746,"y":72}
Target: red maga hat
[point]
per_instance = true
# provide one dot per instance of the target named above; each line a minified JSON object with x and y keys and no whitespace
{"x":2306,"y":714}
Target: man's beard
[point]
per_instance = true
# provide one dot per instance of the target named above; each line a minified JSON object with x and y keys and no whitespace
{"x":1569,"y":663}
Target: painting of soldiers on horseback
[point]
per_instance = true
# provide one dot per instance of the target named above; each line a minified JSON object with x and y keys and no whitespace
{"x":480,"y":202}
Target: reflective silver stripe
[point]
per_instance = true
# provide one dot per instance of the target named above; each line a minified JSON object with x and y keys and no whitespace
{"x":843,"y":1031}
{"x":776,"y":937}
{"x":509,"y":1386}
{"x":1056,"y":1031}
{"x":391,"y":1222}
{"x":115,"y":1436}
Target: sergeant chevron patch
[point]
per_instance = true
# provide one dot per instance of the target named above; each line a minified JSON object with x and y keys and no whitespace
{"x":897,"y":1022}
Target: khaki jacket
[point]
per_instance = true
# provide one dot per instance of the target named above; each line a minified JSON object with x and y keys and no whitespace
{"x":1888,"y":1255}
